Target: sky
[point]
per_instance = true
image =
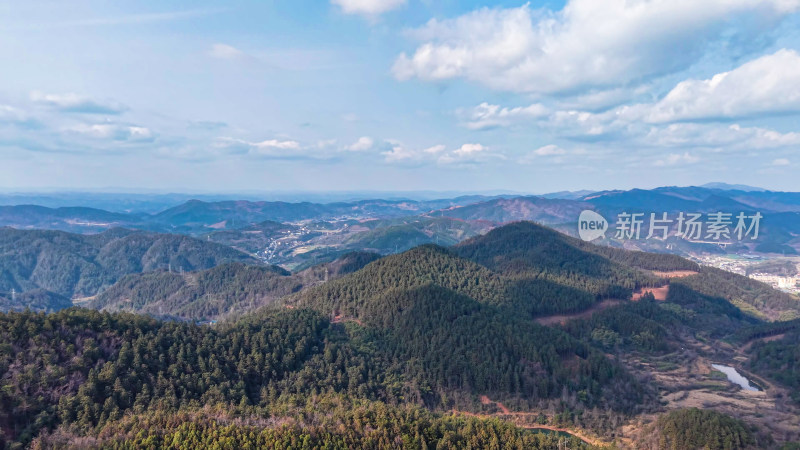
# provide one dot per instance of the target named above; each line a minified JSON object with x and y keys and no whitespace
{"x":398,"y":95}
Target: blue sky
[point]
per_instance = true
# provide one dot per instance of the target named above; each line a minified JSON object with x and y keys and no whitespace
{"x":398,"y":94}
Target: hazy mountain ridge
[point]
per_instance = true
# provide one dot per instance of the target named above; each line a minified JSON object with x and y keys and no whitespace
{"x":74,"y":265}
{"x":224,"y":291}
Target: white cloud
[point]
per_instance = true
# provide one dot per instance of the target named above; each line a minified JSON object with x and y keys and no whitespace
{"x":399,"y":153}
{"x":781,"y":162}
{"x":77,"y":103}
{"x":224,"y":51}
{"x":733,"y":137}
{"x":10,"y":114}
{"x":469,"y":150}
{"x":767,"y":85}
{"x":589,"y":43}
{"x":274,"y":143}
{"x":114,"y":132}
{"x":267,"y":148}
{"x":363,"y":143}
{"x":549,"y":150}
{"x":469,"y":154}
{"x":553,"y":153}
{"x":368,"y":8}
{"x":465,"y":154}
{"x":677,"y":159}
{"x":436,"y":149}
{"x":486,"y":115}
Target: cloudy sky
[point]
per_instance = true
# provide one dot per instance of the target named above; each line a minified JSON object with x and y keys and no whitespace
{"x":398,"y":94}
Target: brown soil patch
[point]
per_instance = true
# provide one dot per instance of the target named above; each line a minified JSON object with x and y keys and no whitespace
{"x":564,"y":318}
{"x":660,"y":293}
{"x":750,"y":343}
{"x":674,"y":273}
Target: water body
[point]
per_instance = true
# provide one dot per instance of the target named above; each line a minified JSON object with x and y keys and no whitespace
{"x":735,"y":377}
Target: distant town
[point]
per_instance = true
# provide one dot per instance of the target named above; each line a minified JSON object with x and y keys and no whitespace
{"x":781,"y":273}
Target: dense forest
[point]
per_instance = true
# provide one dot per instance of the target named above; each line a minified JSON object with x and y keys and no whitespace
{"x":375,"y":352}
{"x":82,"y":370}
{"x":698,"y":428}
{"x":327,"y":423}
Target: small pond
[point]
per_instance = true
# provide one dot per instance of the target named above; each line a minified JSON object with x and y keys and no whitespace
{"x":735,"y":377}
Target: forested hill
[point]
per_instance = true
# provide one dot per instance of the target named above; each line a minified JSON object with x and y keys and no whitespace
{"x":526,"y":246}
{"x":533,"y":269}
{"x":75,"y":265}
{"x":520,"y":266}
{"x":220,"y":292}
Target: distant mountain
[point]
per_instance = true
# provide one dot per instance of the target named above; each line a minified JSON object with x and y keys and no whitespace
{"x":74,"y":265}
{"x":75,"y":219}
{"x":504,"y":210}
{"x":238,"y":214}
{"x":733,"y":187}
{"x":568,"y":195}
{"x":298,"y":235}
{"x":38,"y":300}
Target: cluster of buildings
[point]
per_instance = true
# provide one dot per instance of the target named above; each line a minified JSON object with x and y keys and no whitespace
{"x":791,"y":284}
{"x":742,"y":265}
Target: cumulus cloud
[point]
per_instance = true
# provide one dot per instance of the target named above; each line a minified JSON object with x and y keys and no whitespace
{"x":767,"y":85}
{"x":225,"y":51}
{"x":74,"y":103}
{"x":486,"y":116}
{"x":469,"y":154}
{"x":363,"y":143}
{"x":465,"y":154}
{"x":368,"y":8}
{"x":587,"y":44}
{"x":733,"y":137}
{"x":398,"y":152}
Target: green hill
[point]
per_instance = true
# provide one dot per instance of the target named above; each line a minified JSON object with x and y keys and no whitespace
{"x":226,"y":290}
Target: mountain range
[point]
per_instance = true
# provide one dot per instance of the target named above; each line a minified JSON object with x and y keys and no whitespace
{"x":496,"y":338}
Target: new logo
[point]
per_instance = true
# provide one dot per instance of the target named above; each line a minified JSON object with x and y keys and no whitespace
{"x":591,"y":225}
